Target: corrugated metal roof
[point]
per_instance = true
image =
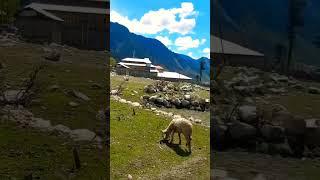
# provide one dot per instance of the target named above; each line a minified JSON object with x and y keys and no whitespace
{"x":45,"y":13}
{"x":145,"y":60}
{"x":172,"y":75}
{"x":134,"y":64}
{"x":230,"y":48}
{"x":64,"y":8}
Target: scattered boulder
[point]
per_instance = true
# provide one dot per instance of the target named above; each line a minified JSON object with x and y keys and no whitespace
{"x":82,"y":135}
{"x":150,"y":89}
{"x":96,"y":86}
{"x":185,"y":103}
{"x":242,"y":131}
{"x":114,"y":92}
{"x":54,"y":88}
{"x":273,"y":133}
{"x":61,"y":128}
{"x":73,"y":104}
{"x":314,"y":90}
{"x":53,"y":56}
{"x":248,"y":113}
{"x":40,"y":123}
{"x":12,"y":96}
{"x":80,"y":95}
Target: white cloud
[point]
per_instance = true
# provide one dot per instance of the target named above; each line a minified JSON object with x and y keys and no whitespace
{"x":184,"y":43}
{"x":154,"y":22}
{"x":203,"y":41}
{"x":191,"y":55}
{"x":165,"y":40}
{"x":206,"y":52}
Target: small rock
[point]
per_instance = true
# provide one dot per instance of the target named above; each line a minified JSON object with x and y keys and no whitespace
{"x":82,"y":135}
{"x":114,"y":92}
{"x":135,"y":104}
{"x":314,"y":90}
{"x":54,"y":88}
{"x":80,"y":95}
{"x":96,"y":86}
{"x":73,"y":104}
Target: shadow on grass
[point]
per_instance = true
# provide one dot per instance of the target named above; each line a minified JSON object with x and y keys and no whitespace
{"x":176,"y":148}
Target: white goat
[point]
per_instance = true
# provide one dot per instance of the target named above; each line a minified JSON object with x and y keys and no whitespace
{"x":179,"y":125}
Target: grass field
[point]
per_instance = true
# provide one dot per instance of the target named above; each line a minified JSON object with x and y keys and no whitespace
{"x":46,"y":155}
{"x":135,"y":147}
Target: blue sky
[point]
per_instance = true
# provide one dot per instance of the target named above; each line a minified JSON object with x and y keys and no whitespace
{"x":183,"y":26}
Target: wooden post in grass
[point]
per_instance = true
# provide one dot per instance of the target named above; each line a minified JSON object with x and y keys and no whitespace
{"x":76,"y":158}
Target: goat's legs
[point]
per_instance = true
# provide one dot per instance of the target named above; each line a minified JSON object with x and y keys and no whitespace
{"x":179,"y":138}
{"x":172,"y":135}
{"x":189,"y":143}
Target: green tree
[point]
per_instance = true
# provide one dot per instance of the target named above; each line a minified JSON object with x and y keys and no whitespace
{"x":8,"y":9}
{"x":296,"y":20}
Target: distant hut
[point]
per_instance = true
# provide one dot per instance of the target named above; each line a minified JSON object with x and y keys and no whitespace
{"x":234,"y":54}
{"x":82,"y":24}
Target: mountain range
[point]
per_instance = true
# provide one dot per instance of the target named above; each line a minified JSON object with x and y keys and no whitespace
{"x":260,"y":25}
{"x":125,"y":44}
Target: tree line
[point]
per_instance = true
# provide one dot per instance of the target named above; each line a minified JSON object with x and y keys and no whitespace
{"x":8,"y":9}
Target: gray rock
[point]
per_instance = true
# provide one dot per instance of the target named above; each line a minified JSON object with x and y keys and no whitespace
{"x":295,"y":126}
{"x":114,"y":92}
{"x":185,"y":103}
{"x":150,"y":89}
{"x":314,"y":90}
{"x":280,"y":148}
{"x":248,"y":113}
{"x":298,"y":86}
{"x":53,"y":56}
{"x":13,"y":95}
{"x":242,"y":131}
{"x":80,"y":95}
{"x":153,"y":98}
{"x":40,"y":123}
{"x":73,"y":104}
{"x":176,"y":102}
{"x":61,"y":128}
{"x":187,"y":97}
{"x":82,"y":135}
{"x":96,"y":86}
{"x":273,"y":133}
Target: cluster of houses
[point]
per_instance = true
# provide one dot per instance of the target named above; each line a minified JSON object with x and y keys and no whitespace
{"x":145,"y":68}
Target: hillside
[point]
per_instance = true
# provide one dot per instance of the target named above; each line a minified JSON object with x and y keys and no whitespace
{"x":123,"y":43}
{"x":261,"y":25}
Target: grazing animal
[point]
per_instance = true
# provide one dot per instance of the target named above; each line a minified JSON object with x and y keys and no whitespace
{"x":179,"y":125}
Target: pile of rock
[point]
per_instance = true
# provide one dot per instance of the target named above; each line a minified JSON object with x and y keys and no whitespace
{"x":25,"y":118}
{"x":251,"y":81}
{"x":168,"y":94}
{"x":8,"y":36}
{"x":270,"y":129}
{"x":185,"y":102}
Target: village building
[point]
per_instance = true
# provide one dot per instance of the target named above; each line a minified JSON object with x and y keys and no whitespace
{"x":234,"y":54}
{"x":82,"y":24}
{"x":145,"y":68}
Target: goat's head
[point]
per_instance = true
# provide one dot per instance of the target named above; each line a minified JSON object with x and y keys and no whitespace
{"x":165,"y":134}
